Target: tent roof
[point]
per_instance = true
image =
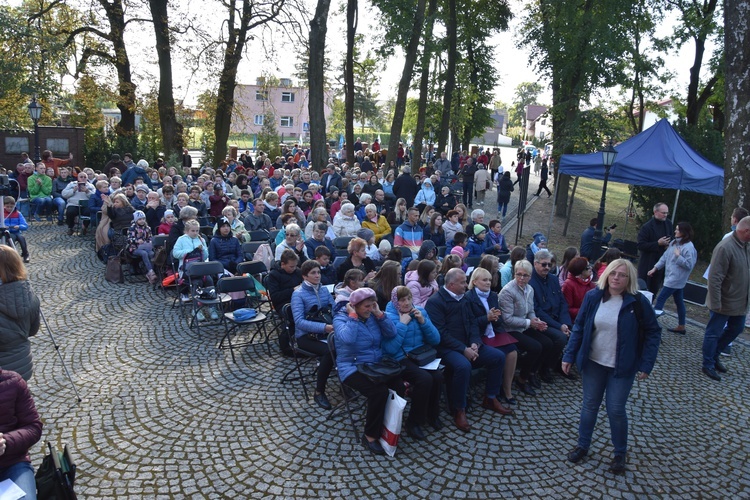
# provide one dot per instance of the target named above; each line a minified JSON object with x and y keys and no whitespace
{"x":657,"y":157}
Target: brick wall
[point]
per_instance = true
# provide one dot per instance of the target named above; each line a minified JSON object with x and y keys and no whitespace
{"x":60,"y":140}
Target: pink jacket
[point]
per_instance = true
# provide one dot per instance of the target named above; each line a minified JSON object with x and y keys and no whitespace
{"x":419,"y":293}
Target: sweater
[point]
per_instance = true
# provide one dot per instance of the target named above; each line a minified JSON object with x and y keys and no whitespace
{"x":19,"y":421}
{"x":408,"y":336}
{"x":19,"y":320}
{"x":677,"y":268}
{"x":74,"y":196}
{"x":409,"y":236}
{"x":634,"y":353}
{"x":359,"y":341}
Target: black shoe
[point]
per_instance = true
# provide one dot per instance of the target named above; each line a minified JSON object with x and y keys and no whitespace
{"x":61,"y":223}
{"x":26,"y":259}
{"x":577,"y":454}
{"x":711,"y":373}
{"x":546,"y":377}
{"x":535,"y":381}
{"x":436,"y":424}
{"x":322,"y":401}
{"x":526,"y":388}
{"x":618,"y":464}
{"x":373,"y":446}
{"x":717,"y":365}
{"x":415,"y":431}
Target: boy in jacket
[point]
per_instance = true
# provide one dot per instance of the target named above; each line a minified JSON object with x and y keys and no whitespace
{"x":15,"y":223}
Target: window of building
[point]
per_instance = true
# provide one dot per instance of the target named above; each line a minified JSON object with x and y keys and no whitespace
{"x":59,"y":147}
{"x":261,"y":95}
{"x":258,"y":120}
{"x":16,"y":145}
{"x":286,"y":82}
{"x":287,"y":121}
{"x":287,"y":97}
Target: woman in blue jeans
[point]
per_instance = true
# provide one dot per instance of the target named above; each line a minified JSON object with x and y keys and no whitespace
{"x":20,"y":429}
{"x":615,"y":336}
{"x":678,"y":262}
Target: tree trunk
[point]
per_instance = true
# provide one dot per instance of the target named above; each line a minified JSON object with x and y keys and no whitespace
{"x":695,"y":102}
{"x":351,"y":31}
{"x":450,"y":75}
{"x":125,"y":87}
{"x":410,"y":57}
{"x":736,"y":134}
{"x":424,"y":81}
{"x":171,"y":129}
{"x":316,"y":85}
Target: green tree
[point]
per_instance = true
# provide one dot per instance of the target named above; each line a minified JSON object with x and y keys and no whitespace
{"x":85,"y":106}
{"x":207,"y":106}
{"x":268,"y":137}
{"x":526,"y":94}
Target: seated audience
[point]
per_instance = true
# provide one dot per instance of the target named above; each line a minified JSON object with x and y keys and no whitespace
{"x":283,"y":279}
{"x":318,"y":238}
{"x":422,"y":283}
{"x":15,"y":222}
{"x":345,"y":223}
{"x":293,"y":241}
{"x":387,"y":278}
{"x":140,"y":245}
{"x":376,"y":223}
{"x":327,"y":271}
{"x":577,"y":284}
{"x":77,"y":195}
{"x":224,"y":247}
{"x":434,"y":231}
{"x":410,"y":234}
{"x":494,"y":242}
{"x":357,"y":259}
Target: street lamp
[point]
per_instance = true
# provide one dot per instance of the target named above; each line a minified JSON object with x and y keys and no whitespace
{"x":35,"y":112}
{"x":608,"y":159}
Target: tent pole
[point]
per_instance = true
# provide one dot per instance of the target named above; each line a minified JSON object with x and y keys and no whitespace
{"x":554,"y":203}
{"x":627,"y":214}
{"x":674,"y":210}
{"x":570,"y":207}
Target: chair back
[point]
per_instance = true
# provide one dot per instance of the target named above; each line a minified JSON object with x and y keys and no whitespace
{"x":249,"y":249}
{"x":288,"y":318}
{"x":341,"y":242}
{"x":473,"y":261}
{"x":159,"y":240}
{"x":441,"y":251}
{"x":338,"y":261}
{"x":229,"y":284}
{"x":260,"y":235}
{"x":332,"y":345}
{"x":273,"y":234}
{"x":254,"y":267}
{"x":199,"y":269}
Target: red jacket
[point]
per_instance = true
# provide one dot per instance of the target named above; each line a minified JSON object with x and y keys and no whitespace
{"x":19,"y":421}
{"x":574,"y":289}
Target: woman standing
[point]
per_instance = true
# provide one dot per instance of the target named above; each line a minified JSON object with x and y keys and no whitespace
{"x":615,"y":336}
{"x":19,"y":314}
{"x":360,"y":330}
{"x":678,"y":261}
{"x":414,"y":329}
{"x":504,"y":188}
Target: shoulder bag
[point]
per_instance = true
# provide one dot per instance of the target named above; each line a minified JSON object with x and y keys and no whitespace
{"x":382,"y":371}
{"x":422,"y":355}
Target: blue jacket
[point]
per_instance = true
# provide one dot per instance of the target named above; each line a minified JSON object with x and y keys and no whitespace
{"x":303,"y":300}
{"x":587,"y":242}
{"x":409,"y":336}
{"x":96,"y":202}
{"x":549,"y":302}
{"x":454,"y":320}
{"x":631,"y":356}
{"x":15,"y":218}
{"x":130,"y":175}
{"x":225,"y":250}
{"x":312,"y":244}
{"x":359,"y":342}
{"x":475,"y":247}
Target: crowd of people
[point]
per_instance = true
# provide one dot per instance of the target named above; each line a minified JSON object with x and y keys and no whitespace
{"x":390,"y":260}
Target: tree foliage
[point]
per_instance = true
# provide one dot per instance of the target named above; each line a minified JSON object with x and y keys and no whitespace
{"x":268,"y":137}
{"x":526,"y":94}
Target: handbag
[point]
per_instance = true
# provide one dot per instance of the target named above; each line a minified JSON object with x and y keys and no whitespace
{"x":323,"y":315}
{"x":113,"y":272}
{"x":382,"y":371}
{"x":421,"y":355}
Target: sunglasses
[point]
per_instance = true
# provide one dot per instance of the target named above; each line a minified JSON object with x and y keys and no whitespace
{"x":545,"y":264}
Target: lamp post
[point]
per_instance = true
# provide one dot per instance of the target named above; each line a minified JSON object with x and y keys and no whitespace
{"x":35,"y":112}
{"x":608,"y":159}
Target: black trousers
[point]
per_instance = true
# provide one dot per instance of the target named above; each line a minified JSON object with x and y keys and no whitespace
{"x":377,"y":397}
{"x":553,"y":342}
{"x":426,"y":387}
{"x":326,"y":361}
{"x":529,"y":362}
{"x":72,"y":212}
{"x":543,"y":185}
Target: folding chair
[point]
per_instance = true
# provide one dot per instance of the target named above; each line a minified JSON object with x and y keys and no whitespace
{"x":82,"y":218}
{"x":273,"y":234}
{"x":249,"y":249}
{"x":194,"y":274}
{"x":260,"y":235}
{"x":159,"y":241}
{"x":441,"y":251}
{"x":349,"y":397}
{"x":231,"y":284}
{"x":301,"y":357}
{"x":341,"y":244}
{"x":207,"y":232}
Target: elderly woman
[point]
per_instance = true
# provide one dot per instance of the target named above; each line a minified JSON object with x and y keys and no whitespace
{"x":360,"y":331}
{"x":310,"y":333}
{"x":516,"y":302}
{"x":20,"y":429}
{"x":485,"y":307}
{"x":413,"y":330}
{"x":346,"y":223}
{"x":357,"y":259}
{"x":19,"y":314}
{"x":120,"y":214}
{"x":615,"y":337}
{"x":378,"y":224}
{"x":293,"y":241}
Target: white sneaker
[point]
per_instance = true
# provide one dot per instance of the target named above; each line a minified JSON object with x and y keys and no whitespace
{"x":185,"y":297}
{"x":658,"y":312}
{"x":214,"y":315}
{"x":200,"y":317}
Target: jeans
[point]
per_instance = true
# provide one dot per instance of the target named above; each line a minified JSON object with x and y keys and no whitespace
{"x":461,"y":367}
{"x":41,"y":204}
{"x":146,"y":252}
{"x":596,"y":380}
{"x":665,"y":293}
{"x":22,"y":474}
{"x":468,"y":197}
{"x":502,"y":207}
{"x":60,"y":204}
{"x":718,"y":336}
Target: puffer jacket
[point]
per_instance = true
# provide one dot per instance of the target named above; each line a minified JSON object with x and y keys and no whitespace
{"x":358,"y":341}
{"x":19,"y":320}
{"x":225,"y":249}
{"x":303,"y":300}
{"x":13,"y":219}
{"x":419,"y":293}
{"x":410,"y":336}
{"x":19,"y":421}
{"x":346,"y":226}
{"x":425,"y":195}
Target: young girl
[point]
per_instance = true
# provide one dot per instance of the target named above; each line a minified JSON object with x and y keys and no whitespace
{"x":139,"y":243}
{"x":167,"y":222}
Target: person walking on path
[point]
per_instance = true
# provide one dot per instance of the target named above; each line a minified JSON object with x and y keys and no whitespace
{"x":543,"y":181}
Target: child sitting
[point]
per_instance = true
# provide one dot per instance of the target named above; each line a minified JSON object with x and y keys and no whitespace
{"x":139,"y":243}
{"x":167,"y":222}
{"x":353,"y":279}
{"x":15,"y":223}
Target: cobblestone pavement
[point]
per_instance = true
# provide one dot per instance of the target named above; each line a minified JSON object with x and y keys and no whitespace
{"x":165,"y":414}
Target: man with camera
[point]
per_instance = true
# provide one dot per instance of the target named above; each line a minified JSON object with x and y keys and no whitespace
{"x":588,"y":249}
{"x":77,"y":191}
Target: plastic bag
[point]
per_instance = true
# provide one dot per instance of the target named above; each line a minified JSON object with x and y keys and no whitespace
{"x":394,"y":412}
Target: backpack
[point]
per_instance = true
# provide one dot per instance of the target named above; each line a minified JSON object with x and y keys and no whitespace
{"x":264,"y":254}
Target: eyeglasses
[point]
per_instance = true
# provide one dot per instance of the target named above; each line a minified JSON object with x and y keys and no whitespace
{"x":664,"y":213}
{"x":545,"y":264}
{"x":523,"y":275}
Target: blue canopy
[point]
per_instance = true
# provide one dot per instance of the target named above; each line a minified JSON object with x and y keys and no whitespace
{"x":657,"y":157}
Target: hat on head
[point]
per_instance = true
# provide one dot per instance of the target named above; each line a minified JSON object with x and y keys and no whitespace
{"x":143,"y":188}
{"x":479,"y":229}
{"x":540,"y":238}
{"x":138,"y":215}
{"x":365,"y":234}
{"x":167,"y":213}
{"x":223,"y":222}
{"x":361,"y":294}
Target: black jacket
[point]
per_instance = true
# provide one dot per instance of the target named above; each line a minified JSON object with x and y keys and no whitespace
{"x":406,"y":187}
{"x":454,"y":320}
{"x":281,"y":286}
{"x":648,"y":243}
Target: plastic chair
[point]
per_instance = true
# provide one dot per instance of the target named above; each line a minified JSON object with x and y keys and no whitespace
{"x":249,"y":249}
{"x":231,"y":284}
{"x":301,"y":357}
